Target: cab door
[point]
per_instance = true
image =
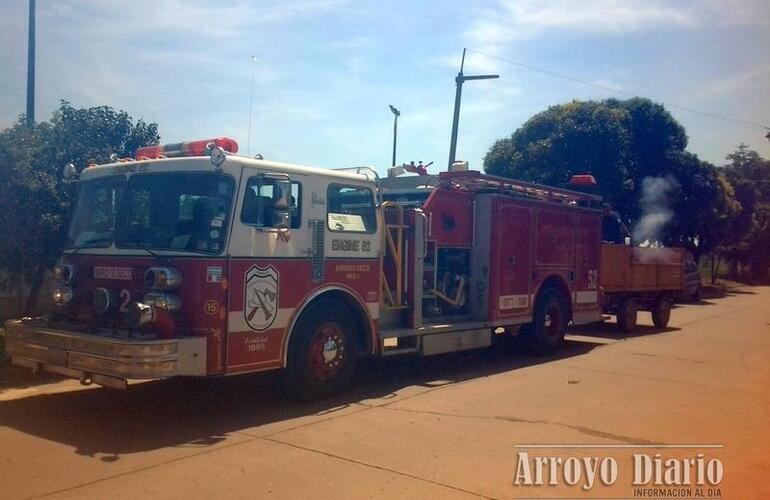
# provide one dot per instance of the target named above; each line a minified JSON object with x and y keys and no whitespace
{"x":270,"y":268}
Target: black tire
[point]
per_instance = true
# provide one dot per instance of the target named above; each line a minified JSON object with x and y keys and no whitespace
{"x":661,"y":312}
{"x":696,"y":294}
{"x":324,"y":329}
{"x":626,"y":316}
{"x":546,"y":332}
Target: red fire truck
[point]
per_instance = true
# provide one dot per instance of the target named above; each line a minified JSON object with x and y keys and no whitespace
{"x":191,"y":260}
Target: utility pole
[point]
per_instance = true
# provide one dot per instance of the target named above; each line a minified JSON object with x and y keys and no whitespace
{"x":31,"y":67}
{"x":460,"y":79}
{"x":396,"y":114}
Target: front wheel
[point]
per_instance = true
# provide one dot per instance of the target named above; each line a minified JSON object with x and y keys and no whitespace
{"x":322,"y":352}
{"x":546,"y":332}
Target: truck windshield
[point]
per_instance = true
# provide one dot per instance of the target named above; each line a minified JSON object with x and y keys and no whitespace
{"x":96,"y":212}
{"x":176,"y":211}
{"x":158,"y":211}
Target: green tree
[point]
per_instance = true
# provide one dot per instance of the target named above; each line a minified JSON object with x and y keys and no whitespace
{"x":749,"y":175}
{"x":34,"y":202}
{"x":621,"y":143}
{"x":573,"y":138}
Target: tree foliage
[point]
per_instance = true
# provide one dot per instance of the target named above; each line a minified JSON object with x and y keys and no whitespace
{"x":749,"y":241}
{"x":34,"y":201}
{"x":621,"y":143}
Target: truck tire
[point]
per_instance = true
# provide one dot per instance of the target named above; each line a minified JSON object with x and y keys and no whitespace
{"x":626,"y":316}
{"x":322,"y":352}
{"x":661,"y":312}
{"x":546,"y":332}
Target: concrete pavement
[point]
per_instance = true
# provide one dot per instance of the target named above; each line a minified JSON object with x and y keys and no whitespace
{"x":446,"y":427}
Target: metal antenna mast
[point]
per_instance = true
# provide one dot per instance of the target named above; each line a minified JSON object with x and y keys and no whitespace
{"x":251,"y":100}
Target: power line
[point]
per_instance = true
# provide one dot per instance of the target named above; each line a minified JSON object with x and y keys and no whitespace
{"x":619,"y":91}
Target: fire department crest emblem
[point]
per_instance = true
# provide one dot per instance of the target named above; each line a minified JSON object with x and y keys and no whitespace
{"x":260,"y":297}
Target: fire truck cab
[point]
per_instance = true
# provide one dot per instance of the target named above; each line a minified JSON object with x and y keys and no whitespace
{"x":193,"y":260}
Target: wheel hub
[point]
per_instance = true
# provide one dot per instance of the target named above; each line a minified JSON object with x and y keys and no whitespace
{"x":330,"y":350}
{"x":327,"y":351}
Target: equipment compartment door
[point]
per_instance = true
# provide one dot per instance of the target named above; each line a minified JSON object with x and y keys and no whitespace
{"x":588,"y":249}
{"x":511,"y":260}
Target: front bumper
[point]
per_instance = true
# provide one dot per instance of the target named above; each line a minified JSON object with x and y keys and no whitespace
{"x":103,"y":360}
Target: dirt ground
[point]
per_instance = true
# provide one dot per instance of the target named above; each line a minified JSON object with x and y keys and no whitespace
{"x":450,"y":426}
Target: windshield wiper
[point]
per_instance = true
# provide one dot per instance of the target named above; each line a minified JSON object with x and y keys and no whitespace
{"x":149,"y":252}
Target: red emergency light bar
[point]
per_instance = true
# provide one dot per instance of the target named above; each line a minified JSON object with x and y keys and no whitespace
{"x":189,"y":148}
{"x":582,"y":180}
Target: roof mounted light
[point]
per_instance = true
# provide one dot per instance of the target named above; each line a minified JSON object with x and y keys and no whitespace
{"x":190,"y":148}
{"x":216,"y":155}
{"x":70,"y":173}
{"x":582,"y":180}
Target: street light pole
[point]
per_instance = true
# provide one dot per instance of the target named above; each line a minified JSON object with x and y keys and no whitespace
{"x":31,"y":67}
{"x":396,"y":114}
{"x":459,"y":80}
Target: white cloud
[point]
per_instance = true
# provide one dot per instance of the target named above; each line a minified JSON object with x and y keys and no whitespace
{"x":495,"y":29}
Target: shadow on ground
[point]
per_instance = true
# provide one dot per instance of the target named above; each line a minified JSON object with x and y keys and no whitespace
{"x":202,"y":412}
{"x":16,"y":377}
{"x":610,"y":330}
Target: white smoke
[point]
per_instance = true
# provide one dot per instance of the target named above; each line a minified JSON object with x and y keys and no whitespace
{"x":656,"y":212}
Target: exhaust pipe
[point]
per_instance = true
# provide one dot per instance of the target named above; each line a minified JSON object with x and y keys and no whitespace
{"x":86,"y":379}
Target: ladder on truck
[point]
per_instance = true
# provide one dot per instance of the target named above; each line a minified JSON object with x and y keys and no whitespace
{"x":393,"y":279}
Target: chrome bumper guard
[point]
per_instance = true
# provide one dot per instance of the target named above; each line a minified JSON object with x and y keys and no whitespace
{"x":102,"y":360}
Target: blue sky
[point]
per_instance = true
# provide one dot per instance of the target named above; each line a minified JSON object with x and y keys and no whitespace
{"x":328,"y":69}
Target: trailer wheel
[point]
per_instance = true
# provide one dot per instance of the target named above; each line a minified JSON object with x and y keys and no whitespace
{"x":322,"y":352}
{"x":626,"y":316}
{"x":661,"y":311}
{"x":546,"y":332}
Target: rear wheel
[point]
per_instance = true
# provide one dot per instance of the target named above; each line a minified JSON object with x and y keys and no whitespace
{"x":627,"y":312}
{"x":322,"y":352}
{"x":661,"y":312}
{"x":546,"y":332}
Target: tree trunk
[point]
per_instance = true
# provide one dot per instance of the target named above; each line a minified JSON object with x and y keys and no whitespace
{"x":714,"y":268}
{"x":34,"y":292}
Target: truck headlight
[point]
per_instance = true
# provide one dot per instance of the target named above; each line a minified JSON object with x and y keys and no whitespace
{"x":64,"y":273}
{"x":62,"y":295}
{"x":162,"y":300}
{"x":162,"y":278}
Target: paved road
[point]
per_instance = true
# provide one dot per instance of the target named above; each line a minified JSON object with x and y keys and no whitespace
{"x":441,"y":427}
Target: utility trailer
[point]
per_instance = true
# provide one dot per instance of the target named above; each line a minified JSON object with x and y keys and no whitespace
{"x":640,"y":278}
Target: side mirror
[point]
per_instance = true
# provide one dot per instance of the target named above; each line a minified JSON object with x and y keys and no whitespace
{"x":281,"y":218}
{"x":70,"y":173}
{"x":281,"y":194}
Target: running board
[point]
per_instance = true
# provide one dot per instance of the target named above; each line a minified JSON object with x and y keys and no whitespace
{"x":441,"y":343}
{"x":435,"y":343}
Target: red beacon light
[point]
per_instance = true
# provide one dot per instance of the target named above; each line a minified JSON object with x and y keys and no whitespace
{"x":189,"y":148}
{"x":582,"y":180}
